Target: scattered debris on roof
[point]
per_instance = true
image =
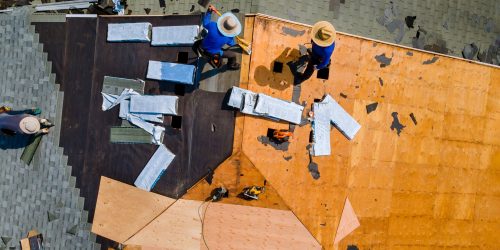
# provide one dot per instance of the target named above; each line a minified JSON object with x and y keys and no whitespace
{"x":396,"y":125}
{"x":412,"y":116}
{"x":371,"y":107}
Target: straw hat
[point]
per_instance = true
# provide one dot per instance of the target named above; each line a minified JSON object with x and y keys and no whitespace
{"x":29,"y":125}
{"x":323,"y":33}
{"x":229,"y":25}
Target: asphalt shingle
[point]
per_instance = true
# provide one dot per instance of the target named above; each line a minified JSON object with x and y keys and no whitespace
{"x":41,"y":196}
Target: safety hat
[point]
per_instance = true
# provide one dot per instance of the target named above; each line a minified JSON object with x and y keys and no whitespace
{"x":229,"y":25}
{"x":323,"y":33}
{"x":29,"y":125}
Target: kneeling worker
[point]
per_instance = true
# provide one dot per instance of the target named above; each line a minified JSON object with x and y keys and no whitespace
{"x":323,"y":44}
{"x":23,"y":122}
{"x":219,"y":34}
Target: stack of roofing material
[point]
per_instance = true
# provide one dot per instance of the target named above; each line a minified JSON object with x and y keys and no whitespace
{"x":154,"y":169}
{"x":160,"y":104}
{"x":129,"y":32}
{"x":326,"y":112}
{"x":172,"y":72}
{"x":142,"y":110}
{"x":175,"y":35}
{"x":263,"y":105}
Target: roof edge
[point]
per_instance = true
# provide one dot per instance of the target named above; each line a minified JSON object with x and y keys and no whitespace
{"x":374,"y":40}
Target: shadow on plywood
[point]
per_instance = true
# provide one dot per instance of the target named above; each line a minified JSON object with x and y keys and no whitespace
{"x":235,"y":174}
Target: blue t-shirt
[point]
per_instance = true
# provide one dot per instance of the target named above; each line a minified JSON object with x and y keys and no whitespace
{"x":214,"y":40}
{"x":323,"y":54}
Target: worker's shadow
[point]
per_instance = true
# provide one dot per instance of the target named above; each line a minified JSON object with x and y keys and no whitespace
{"x":203,"y":61}
{"x":14,"y":141}
{"x":281,"y":73}
{"x":202,"y":75}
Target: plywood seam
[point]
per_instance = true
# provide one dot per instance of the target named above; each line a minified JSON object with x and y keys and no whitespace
{"x":284,"y":201}
{"x":244,"y":79}
{"x":156,"y":217}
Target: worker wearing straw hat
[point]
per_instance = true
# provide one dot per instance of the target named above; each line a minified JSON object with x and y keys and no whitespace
{"x":219,"y":34}
{"x":323,"y":43}
{"x":23,"y":124}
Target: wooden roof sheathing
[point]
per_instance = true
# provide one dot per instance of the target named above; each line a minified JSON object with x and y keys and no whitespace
{"x":229,"y":226}
{"x":122,"y":210}
{"x":436,"y":184}
{"x":234,"y":174}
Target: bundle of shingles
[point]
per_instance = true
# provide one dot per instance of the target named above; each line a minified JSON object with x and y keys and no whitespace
{"x":263,"y":105}
{"x":184,"y":35}
{"x":146,"y":112}
{"x":326,"y":112}
{"x":143,"y":111}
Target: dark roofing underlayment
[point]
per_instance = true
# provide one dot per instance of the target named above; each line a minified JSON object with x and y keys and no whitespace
{"x":41,"y":196}
{"x":85,"y":131}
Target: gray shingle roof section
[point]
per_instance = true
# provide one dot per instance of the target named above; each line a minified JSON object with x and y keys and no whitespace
{"x":41,"y":196}
{"x":449,"y":25}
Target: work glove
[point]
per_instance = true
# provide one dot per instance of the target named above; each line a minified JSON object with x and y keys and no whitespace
{"x":211,"y":8}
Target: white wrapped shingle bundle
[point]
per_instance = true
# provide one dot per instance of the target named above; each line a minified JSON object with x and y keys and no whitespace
{"x":129,"y":32}
{"x":263,"y":105}
{"x":171,"y":72}
{"x":174,"y":35}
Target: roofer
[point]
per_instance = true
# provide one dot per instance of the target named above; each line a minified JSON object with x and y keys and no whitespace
{"x":17,"y":123}
{"x":219,"y":34}
{"x":323,"y":44}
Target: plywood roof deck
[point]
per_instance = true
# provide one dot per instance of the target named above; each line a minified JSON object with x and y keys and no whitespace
{"x":437,"y":184}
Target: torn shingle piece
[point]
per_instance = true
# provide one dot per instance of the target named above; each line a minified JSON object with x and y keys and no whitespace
{"x":129,"y":32}
{"x":125,"y":111}
{"x":171,"y":72}
{"x":341,"y":119}
{"x":278,"y":109}
{"x":154,"y":169}
{"x":174,"y":35}
{"x":156,"y":131}
{"x":109,"y":101}
{"x":158,"y":104}
{"x":371,"y":107}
